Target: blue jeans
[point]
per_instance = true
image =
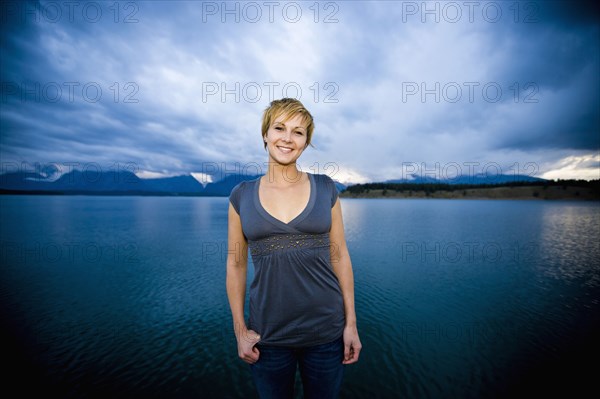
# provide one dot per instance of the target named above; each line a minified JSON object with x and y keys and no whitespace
{"x":321,"y":370}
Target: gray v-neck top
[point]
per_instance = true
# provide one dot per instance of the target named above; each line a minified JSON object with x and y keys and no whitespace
{"x":295,"y":297}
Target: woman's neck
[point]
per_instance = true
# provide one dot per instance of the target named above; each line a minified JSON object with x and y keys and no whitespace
{"x":282,"y":175}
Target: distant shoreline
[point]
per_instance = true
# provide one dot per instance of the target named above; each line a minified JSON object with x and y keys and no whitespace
{"x":105,"y":193}
{"x":504,"y":192}
{"x":400,"y":191}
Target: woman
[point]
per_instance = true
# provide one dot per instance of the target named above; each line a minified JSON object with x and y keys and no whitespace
{"x":302,"y":295}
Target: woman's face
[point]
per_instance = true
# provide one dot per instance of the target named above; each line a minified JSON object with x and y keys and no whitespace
{"x":286,"y":140}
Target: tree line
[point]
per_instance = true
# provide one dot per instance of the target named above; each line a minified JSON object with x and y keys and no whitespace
{"x":431,"y":187}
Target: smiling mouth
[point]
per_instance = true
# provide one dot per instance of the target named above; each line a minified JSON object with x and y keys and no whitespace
{"x":285,"y":150}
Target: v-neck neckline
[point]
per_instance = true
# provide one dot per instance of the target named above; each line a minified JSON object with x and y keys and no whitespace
{"x":296,"y":219}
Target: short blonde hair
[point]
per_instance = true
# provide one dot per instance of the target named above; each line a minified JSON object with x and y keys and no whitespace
{"x":288,"y":107}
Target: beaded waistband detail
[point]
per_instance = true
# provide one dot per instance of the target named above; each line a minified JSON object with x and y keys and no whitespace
{"x":280,"y":242}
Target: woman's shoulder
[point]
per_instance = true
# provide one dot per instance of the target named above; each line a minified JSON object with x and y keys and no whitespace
{"x":245,"y":183}
{"x":241,"y":191}
{"x":328,"y":187}
{"x":322,"y":178}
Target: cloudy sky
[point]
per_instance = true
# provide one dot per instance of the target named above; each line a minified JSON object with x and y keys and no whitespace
{"x":167,"y":88}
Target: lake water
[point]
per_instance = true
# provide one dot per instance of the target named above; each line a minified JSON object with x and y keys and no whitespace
{"x":125,"y":296}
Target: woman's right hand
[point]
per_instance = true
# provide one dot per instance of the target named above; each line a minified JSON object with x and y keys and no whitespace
{"x":247,"y":351}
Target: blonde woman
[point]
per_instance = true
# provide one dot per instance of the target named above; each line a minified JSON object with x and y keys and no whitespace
{"x":301,"y":310}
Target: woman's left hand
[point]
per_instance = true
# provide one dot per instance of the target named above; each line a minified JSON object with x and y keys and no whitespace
{"x":352,"y":345}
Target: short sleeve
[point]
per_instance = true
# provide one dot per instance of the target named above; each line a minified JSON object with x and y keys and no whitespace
{"x":234,"y":197}
{"x":333,"y":191}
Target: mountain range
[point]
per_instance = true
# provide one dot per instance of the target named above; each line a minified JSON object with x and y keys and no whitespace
{"x":476,"y":179}
{"x":128,"y":183}
{"x":116,"y":183}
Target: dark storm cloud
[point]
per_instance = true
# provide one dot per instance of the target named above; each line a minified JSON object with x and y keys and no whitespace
{"x":568,"y":13}
{"x":166,"y":51}
{"x":559,"y":56}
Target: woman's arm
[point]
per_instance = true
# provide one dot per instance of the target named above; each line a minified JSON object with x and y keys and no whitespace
{"x":237,"y":265}
{"x":342,"y":267}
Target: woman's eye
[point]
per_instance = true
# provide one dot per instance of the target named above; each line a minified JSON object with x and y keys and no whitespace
{"x":299,"y":133}
{"x":278,"y":128}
